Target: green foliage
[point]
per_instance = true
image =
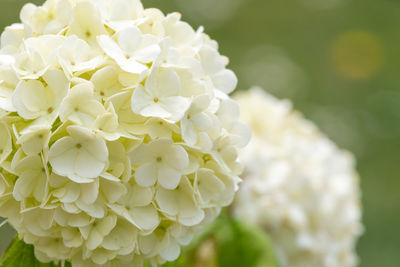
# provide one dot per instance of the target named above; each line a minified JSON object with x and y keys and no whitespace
{"x":228,"y":243}
{"x":20,"y":254}
{"x":242,"y":245}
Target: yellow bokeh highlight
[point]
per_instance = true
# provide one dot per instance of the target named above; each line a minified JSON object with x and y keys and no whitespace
{"x":357,"y":55}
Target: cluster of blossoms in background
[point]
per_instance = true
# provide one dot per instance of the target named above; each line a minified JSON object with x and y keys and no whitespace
{"x":118,"y":138}
{"x":298,"y":186}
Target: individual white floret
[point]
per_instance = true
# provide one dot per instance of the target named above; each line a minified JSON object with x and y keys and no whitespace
{"x":34,"y":99}
{"x":81,"y":156}
{"x":137,"y":208}
{"x":86,"y":22}
{"x":32,"y":179}
{"x":76,"y":56}
{"x":80,"y":106}
{"x":132,"y":51}
{"x":160,"y":161}
{"x":160,"y":96}
{"x":51,"y":18}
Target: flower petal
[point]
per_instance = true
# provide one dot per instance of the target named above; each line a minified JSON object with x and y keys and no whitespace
{"x":146,"y":175}
{"x":129,"y":39}
{"x":145,"y":217}
{"x":225,"y":81}
{"x":87,"y":166}
{"x":168,"y":177}
{"x":168,"y":201}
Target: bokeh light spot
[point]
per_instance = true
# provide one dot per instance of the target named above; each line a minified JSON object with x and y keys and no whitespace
{"x":357,"y":55}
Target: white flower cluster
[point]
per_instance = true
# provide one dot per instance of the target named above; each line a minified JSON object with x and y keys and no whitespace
{"x":118,"y":139}
{"x":298,"y":186}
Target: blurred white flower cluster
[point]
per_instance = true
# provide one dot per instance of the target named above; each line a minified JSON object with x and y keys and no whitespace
{"x":118,"y":139}
{"x":298,"y":186}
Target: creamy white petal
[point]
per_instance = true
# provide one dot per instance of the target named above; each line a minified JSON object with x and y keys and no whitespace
{"x":89,"y":192}
{"x":5,"y":142}
{"x":94,"y":240}
{"x":225,"y":81}
{"x":110,"y":47}
{"x":189,"y":133}
{"x":168,"y":177}
{"x":176,"y":106}
{"x":132,"y":66}
{"x":171,"y":252}
{"x":140,"y":196}
{"x":87,"y":165}
{"x":145,"y":217}
{"x":34,"y":139}
{"x":163,"y":82}
{"x":147,"y":54}
{"x":146,"y":175}
{"x":86,"y":23}
{"x":129,"y":39}
{"x":112,"y":191}
{"x":168,"y":201}
{"x":176,"y":157}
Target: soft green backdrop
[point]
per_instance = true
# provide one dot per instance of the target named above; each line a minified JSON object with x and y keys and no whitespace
{"x":339,"y":61}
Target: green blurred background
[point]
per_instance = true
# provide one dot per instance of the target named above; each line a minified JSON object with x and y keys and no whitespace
{"x":339,"y":62}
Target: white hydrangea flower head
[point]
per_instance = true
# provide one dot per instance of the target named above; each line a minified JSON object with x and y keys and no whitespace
{"x":298,"y":186}
{"x":118,"y":140}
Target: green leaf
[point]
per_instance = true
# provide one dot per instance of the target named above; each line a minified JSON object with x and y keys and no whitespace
{"x":20,"y":254}
{"x":228,"y":243}
{"x":242,"y":245}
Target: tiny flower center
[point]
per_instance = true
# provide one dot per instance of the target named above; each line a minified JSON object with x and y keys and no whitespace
{"x":189,"y":117}
{"x":206,"y":158}
{"x":155,"y":99}
{"x":76,"y":109}
{"x":78,"y":146}
{"x":159,"y":159}
{"x":88,"y":34}
{"x":128,"y":57}
{"x":40,"y":136}
{"x":102,"y":93}
{"x":1,"y":151}
{"x":50,"y":110}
